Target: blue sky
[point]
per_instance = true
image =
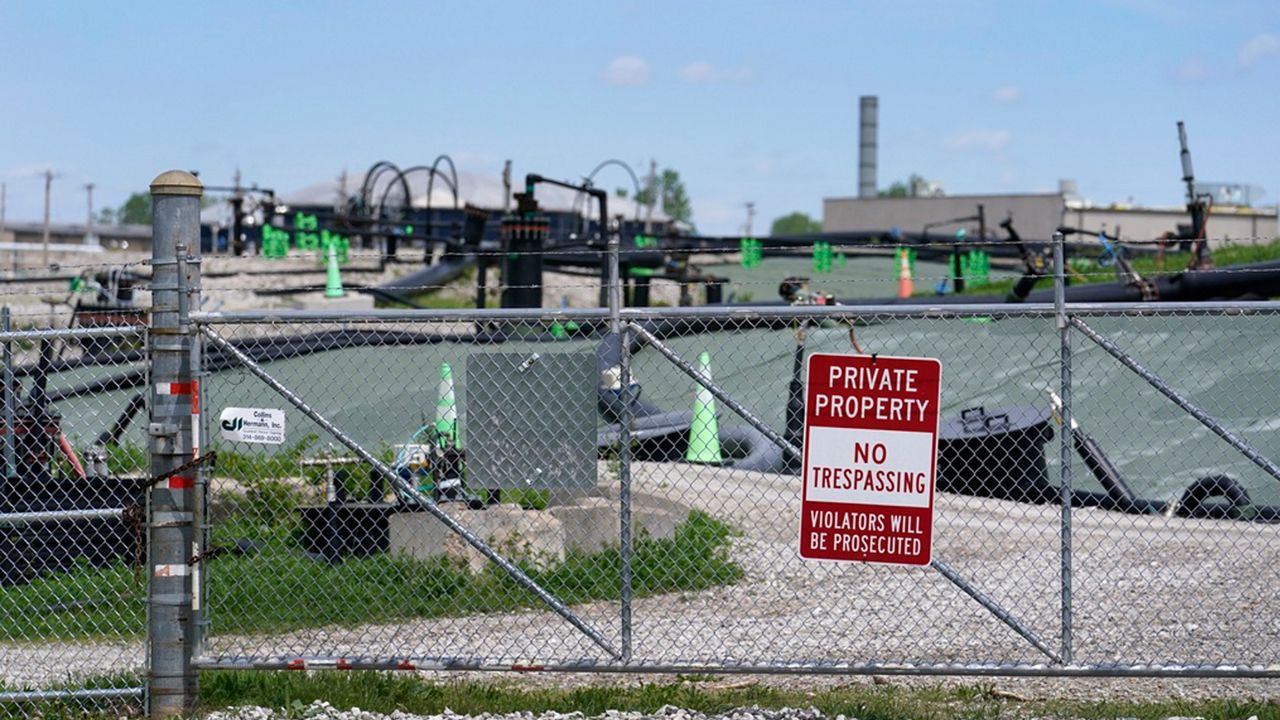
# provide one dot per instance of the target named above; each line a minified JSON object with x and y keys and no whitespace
{"x":750,"y":101}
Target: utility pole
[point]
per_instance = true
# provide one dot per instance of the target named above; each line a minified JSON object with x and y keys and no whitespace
{"x":48,"y":185}
{"x":89,"y":238}
{"x":4,"y":198}
{"x":751,"y":214}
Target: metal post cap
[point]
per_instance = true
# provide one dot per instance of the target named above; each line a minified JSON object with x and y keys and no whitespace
{"x":177,"y":182}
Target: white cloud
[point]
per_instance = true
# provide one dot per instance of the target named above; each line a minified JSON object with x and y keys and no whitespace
{"x":705,"y":72}
{"x":698,"y":72}
{"x":627,"y":70}
{"x":1258,"y":47}
{"x":1006,"y":94}
{"x":1193,"y":69}
{"x":987,"y":141}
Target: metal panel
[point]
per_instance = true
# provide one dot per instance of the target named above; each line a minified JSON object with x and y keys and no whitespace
{"x":531,"y":421}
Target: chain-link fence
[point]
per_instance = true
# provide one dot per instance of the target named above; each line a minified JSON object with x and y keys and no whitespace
{"x":73,"y":589}
{"x":456,"y":489}
{"x":627,"y":489}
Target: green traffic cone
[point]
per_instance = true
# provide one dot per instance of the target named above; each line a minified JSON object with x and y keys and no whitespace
{"x":704,"y":434}
{"x":447,"y":408}
{"x":333,"y":280}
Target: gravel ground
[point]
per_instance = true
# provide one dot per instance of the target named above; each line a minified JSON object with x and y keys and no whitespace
{"x":320,"y":710}
{"x":1148,"y":589}
{"x":324,"y":711}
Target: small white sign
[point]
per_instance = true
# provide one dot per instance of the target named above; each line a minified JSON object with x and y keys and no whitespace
{"x":255,"y":425}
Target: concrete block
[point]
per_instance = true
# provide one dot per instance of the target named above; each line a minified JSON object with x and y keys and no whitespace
{"x":656,"y":523}
{"x":590,"y":525}
{"x":515,"y":533}
{"x":542,"y":538}
{"x":416,"y":534}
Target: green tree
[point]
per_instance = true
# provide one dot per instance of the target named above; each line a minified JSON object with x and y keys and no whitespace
{"x":901,"y":189}
{"x":796,"y":223}
{"x":675,"y":200}
{"x":672,"y":197}
{"x":136,"y":210}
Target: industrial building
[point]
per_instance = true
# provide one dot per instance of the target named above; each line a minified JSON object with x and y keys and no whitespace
{"x":1035,"y":215}
{"x":70,"y":237}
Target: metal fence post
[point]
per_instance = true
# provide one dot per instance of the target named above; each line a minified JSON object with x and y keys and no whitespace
{"x":622,"y":331}
{"x":10,"y":463}
{"x":1068,"y":437}
{"x":171,"y":620}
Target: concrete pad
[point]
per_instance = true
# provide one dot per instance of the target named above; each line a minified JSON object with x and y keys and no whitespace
{"x":417,"y":534}
{"x":540,"y":537}
{"x":590,"y":526}
{"x":515,"y":533}
{"x":656,"y":523}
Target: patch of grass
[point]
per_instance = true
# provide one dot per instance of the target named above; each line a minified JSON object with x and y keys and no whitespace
{"x":278,"y":588}
{"x":527,"y":498}
{"x":387,"y":692}
{"x":1088,"y":271}
{"x":85,"y":603}
{"x":67,"y":709}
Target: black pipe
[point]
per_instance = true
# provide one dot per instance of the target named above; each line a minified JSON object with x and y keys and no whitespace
{"x":112,"y":435}
{"x":1118,"y":490}
{"x":602,"y":198}
{"x":38,"y":396}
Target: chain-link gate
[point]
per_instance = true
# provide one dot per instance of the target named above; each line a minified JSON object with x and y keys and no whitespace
{"x":402,"y":500}
{"x":323,"y":550}
{"x":73,"y":585}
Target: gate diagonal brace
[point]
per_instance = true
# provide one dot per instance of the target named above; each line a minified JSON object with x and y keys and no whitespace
{"x":716,"y":391}
{"x":408,"y":491}
{"x":943,"y":568}
{"x":991,"y":605}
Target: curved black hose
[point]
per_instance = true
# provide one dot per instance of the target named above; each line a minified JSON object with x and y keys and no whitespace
{"x":408,"y":196}
{"x":453,"y":172}
{"x":370,"y":181}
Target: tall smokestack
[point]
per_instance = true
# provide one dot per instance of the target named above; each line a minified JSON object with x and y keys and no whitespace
{"x":867,"y":108}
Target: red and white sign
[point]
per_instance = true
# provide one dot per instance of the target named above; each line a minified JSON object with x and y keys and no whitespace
{"x":870,"y":458}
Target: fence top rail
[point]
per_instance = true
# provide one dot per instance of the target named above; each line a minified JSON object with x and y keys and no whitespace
{"x":715,"y":311}
{"x":395,"y":315}
{"x":956,"y":310}
{"x":80,"y":332}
